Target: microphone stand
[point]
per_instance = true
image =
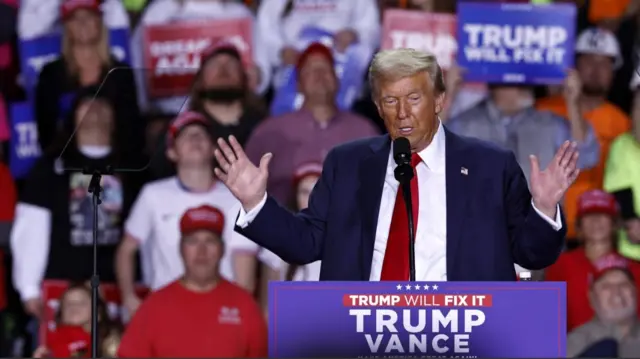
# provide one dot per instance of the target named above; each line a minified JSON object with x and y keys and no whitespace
{"x":404,"y":173}
{"x":406,"y":194}
{"x":95,"y":189}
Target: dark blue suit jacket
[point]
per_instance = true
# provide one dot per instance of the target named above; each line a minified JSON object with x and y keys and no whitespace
{"x":491,"y":223}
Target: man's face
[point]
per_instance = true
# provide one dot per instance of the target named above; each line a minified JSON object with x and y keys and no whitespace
{"x":409,"y":108}
{"x":596,"y":228}
{"x":192,"y":146}
{"x":201,"y":252}
{"x":317,"y":78}
{"x":222,"y":71}
{"x":84,"y":26}
{"x":613,"y":297}
{"x":632,"y":227}
{"x":596,"y":73}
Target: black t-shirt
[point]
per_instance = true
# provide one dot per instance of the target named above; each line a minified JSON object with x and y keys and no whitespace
{"x":64,"y":194}
{"x":161,"y":166}
{"x":55,"y":92}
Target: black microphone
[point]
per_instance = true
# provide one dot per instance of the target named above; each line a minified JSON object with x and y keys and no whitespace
{"x":403,"y":174}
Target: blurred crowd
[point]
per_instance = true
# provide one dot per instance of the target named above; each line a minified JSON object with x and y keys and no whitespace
{"x":176,"y":280}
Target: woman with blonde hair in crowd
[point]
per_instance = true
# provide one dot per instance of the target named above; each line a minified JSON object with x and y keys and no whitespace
{"x":85,"y":61}
{"x":72,"y":334}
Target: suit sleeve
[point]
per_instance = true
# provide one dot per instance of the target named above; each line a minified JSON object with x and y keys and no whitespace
{"x":534,"y":243}
{"x":296,"y":238}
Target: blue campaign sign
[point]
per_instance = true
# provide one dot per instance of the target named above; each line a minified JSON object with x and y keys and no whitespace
{"x":418,"y":319}
{"x":516,"y":43}
{"x":37,"y":52}
{"x":24,"y":148}
{"x":350,"y":68}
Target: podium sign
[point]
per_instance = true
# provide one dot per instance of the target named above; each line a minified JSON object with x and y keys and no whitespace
{"x":445,"y":319}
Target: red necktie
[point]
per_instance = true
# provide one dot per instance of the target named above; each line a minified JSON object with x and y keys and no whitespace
{"x":396,"y":257}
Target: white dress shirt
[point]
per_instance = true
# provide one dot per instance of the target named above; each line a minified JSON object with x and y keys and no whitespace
{"x":431,"y":234}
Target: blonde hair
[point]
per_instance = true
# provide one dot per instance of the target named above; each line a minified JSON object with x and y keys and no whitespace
{"x":102,"y":48}
{"x":393,"y":65}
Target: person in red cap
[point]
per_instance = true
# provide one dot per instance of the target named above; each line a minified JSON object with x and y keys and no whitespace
{"x":613,"y":295}
{"x":311,"y":131}
{"x":152,"y":226}
{"x":200,"y":314}
{"x":596,"y":224}
{"x":85,"y":61}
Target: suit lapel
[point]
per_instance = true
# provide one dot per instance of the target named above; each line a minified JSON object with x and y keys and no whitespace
{"x":458,"y":182}
{"x":371,"y":173}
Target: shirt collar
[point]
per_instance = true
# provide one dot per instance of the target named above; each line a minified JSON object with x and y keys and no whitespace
{"x":433,"y":155}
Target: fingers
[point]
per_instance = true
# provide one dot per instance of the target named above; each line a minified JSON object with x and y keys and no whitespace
{"x":565,"y":153}
{"x":237,"y":149}
{"x":573,"y":176}
{"x":227,"y":151}
{"x":221,"y":175}
{"x":264,"y":162}
{"x":535,"y":165}
{"x":572,"y":164}
{"x":222,"y":161}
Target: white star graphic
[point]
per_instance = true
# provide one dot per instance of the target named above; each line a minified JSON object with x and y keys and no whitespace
{"x":399,"y":287}
{"x":408,"y":287}
{"x":426,"y":287}
{"x":435,"y":287}
{"x":417,"y":286}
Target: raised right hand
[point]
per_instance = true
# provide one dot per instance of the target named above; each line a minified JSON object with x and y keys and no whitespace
{"x":247,"y":182}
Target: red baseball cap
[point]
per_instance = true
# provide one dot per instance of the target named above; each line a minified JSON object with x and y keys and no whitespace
{"x":611,"y":261}
{"x":184,"y":119}
{"x":221,"y":47}
{"x":314,"y":48}
{"x":597,"y":201}
{"x":69,"y":6}
{"x":202,"y":218}
{"x":305,"y":170}
{"x":70,"y":341}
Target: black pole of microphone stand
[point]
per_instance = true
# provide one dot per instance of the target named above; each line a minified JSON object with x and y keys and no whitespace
{"x":95,"y":189}
{"x":406,"y":194}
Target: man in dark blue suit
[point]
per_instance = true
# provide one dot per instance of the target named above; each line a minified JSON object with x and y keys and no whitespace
{"x":474,"y":214}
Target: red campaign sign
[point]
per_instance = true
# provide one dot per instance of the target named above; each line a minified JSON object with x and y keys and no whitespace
{"x":52,"y":290}
{"x":434,"y":33}
{"x":172,"y":51}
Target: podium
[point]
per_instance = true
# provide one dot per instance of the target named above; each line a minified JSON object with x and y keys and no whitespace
{"x":417,"y":319}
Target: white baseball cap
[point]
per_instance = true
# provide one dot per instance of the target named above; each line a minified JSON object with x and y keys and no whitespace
{"x":598,"y":41}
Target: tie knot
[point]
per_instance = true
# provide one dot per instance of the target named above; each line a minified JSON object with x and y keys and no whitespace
{"x":415,"y":159}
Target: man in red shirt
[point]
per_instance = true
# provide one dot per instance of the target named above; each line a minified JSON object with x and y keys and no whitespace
{"x":201,"y":314}
{"x":596,"y":225}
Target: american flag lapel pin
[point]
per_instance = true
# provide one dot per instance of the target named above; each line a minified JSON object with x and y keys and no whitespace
{"x":464,"y":171}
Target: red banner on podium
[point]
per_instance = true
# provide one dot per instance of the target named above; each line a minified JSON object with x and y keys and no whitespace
{"x":172,"y":51}
{"x":434,"y":33}
{"x":52,"y":290}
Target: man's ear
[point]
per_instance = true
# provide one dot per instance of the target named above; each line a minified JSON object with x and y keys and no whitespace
{"x":440,"y":100}
{"x":171,"y":154}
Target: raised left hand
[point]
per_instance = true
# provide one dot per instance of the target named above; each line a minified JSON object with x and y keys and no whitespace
{"x":548,"y":186}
